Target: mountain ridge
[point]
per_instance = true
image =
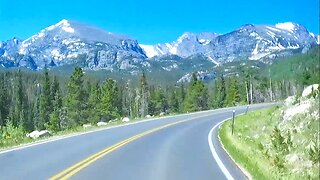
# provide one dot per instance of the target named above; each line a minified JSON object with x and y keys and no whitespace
{"x":280,"y":36}
{"x":72,"y":42}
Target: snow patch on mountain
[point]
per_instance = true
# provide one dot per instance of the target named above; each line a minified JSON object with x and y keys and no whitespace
{"x":258,"y":56}
{"x":66,"y":26}
{"x":214,"y":61}
{"x":23,"y":47}
{"x":183,"y":37}
{"x":171,"y":67}
{"x":63,"y":24}
{"x":149,"y":50}
{"x":57,"y":55}
{"x":311,"y":34}
{"x":289,"y":26}
{"x":173,"y":49}
{"x":204,"y":41}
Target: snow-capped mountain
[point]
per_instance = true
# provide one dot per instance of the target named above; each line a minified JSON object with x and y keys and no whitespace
{"x":188,"y":44}
{"x":9,"y":46}
{"x":69,"y":42}
{"x":252,"y":42}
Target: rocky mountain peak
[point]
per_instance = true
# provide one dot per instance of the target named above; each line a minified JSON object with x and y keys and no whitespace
{"x":247,"y":42}
{"x":71,"y":42}
{"x":68,"y":41}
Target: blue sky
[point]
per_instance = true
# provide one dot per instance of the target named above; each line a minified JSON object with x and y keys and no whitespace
{"x":153,"y":22}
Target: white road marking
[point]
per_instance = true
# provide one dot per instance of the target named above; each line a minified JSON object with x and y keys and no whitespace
{"x":215,"y":154}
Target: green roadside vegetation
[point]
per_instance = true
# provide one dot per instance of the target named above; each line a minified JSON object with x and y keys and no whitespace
{"x":276,"y":143}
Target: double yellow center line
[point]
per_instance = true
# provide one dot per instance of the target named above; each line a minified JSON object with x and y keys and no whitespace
{"x":67,"y":173}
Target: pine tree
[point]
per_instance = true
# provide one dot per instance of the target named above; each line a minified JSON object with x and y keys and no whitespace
{"x":305,"y":77}
{"x":158,"y":102}
{"x":219,"y":96}
{"x":20,"y":104}
{"x":249,"y":76}
{"x":173,"y":101}
{"x":54,"y":93}
{"x":233,"y":96}
{"x":118,"y":100}
{"x":144,"y":96}
{"x":190,"y":100}
{"x":29,"y":124}
{"x":136,"y":104}
{"x":94,"y":104}
{"x":4,"y":100}
{"x":181,"y":95}
{"x":109,"y":109}
{"x":152,"y":101}
{"x":55,"y":118}
{"x":203,"y":96}
{"x":45,"y":107}
{"x":197,"y":96}
{"x":54,"y":122}
{"x":128,"y":100}
{"x":75,"y":101}
{"x":36,"y":112}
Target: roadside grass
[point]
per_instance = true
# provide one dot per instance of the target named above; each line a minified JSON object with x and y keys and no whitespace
{"x":268,"y":148}
{"x":242,"y":146}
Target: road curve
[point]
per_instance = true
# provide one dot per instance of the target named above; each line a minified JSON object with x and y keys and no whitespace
{"x":174,"y":148}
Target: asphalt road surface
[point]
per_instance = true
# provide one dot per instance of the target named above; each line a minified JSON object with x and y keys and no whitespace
{"x":179,"y":147}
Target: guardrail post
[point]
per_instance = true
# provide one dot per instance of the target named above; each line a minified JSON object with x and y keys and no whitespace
{"x":233,"y":115}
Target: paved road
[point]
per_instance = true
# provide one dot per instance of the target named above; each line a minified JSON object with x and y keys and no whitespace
{"x":169,"y":148}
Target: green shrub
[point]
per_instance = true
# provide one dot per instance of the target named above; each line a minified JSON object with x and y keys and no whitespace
{"x":314,"y":152}
{"x":281,"y":143}
{"x":279,"y":162}
{"x":11,"y":134}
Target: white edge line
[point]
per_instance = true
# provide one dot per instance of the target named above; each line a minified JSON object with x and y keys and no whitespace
{"x":215,"y":154}
{"x":244,"y":171}
{"x":44,"y":141}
